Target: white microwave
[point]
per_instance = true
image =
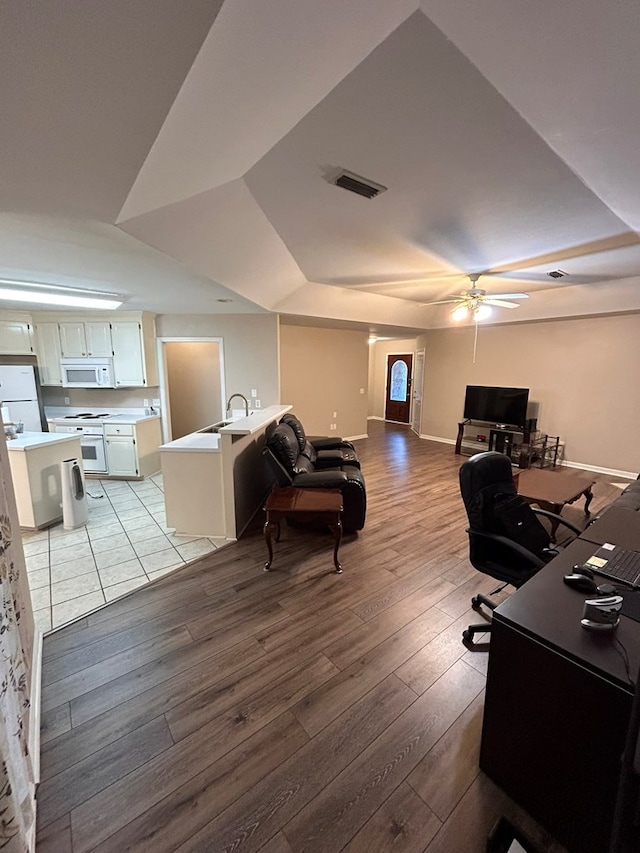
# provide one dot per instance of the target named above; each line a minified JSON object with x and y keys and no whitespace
{"x":87,"y":373}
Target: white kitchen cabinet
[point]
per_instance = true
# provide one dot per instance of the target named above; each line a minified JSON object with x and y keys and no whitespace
{"x":73,"y":342}
{"x":85,"y":340}
{"x":98,"y":335}
{"x":49,"y":353}
{"x":130,"y":340}
{"x":128,"y":358}
{"x":132,"y":449}
{"x":122,"y":456}
{"x":15,"y":337}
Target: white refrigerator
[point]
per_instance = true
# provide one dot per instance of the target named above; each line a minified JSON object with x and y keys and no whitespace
{"x":19,"y":396}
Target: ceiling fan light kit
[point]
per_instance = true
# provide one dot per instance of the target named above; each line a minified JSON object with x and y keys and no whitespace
{"x":459,"y":313}
{"x":478,"y":302}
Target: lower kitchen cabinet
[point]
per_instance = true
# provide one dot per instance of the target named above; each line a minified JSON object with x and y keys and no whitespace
{"x":122,"y":457}
{"x":132,"y":449}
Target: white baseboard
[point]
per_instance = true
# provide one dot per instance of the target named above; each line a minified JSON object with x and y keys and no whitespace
{"x":598,"y":469}
{"x":438,"y":438}
{"x":611,"y":472}
{"x":355,"y":437}
{"x":375,"y":418}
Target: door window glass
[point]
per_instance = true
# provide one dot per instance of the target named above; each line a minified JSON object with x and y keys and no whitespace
{"x":399,"y":382}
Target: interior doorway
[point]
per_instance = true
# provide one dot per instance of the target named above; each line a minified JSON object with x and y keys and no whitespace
{"x":398,"y":396}
{"x":191,"y":384}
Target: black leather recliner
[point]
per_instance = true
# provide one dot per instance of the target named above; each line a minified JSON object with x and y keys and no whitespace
{"x":322,"y":450}
{"x":329,"y":471}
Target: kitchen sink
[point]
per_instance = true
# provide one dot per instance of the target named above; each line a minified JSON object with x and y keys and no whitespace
{"x":215,"y":427}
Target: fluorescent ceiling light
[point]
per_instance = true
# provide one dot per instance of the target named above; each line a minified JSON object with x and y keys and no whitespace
{"x":53,"y":294}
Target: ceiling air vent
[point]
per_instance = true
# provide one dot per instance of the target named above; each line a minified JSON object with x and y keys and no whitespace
{"x":557,"y":273}
{"x":357,"y":184}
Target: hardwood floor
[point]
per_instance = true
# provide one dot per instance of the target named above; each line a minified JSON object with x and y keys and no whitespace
{"x":222,"y":708}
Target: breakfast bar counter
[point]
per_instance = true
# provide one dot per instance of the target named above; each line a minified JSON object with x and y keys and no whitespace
{"x":214,"y":478}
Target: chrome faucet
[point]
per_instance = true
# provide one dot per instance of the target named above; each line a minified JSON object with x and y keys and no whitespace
{"x":246,"y":403}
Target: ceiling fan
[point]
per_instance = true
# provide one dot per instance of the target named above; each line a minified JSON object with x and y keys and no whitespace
{"x":477,"y":302}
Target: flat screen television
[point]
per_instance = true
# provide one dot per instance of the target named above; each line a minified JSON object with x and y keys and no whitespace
{"x":497,"y":405}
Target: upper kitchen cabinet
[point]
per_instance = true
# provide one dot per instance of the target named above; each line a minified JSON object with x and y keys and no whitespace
{"x":134,"y":354}
{"x":129,"y":340}
{"x":49,"y":353}
{"x":85,"y":340}
{"x":15,"y":334}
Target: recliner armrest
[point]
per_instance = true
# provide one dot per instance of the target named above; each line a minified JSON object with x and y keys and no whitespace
{"x":322,"y":442}
{"x":321,"y":480}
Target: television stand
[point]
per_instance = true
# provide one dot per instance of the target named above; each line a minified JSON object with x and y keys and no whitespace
{"x":514,"y":441}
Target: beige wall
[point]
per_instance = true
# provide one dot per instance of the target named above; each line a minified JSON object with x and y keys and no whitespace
{"x":322,"y":372}
{"x":193,"y":376}
{"x":584,"y":374}
{"x":250,"y":348}
{"x":378,"y":371}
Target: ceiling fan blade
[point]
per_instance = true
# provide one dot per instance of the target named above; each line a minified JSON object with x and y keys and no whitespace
{"x":508,"y":295}
{"x":444,"y":301}
{"x":500,"y":303}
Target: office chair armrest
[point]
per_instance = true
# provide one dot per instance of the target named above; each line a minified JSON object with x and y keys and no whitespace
{"x":555,"y":517}
{"x":523,"y":552}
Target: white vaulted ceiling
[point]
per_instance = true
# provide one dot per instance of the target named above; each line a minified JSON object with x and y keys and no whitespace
{"x":179,"y":153}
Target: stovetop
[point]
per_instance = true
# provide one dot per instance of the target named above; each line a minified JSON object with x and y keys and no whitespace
{"x":86,"y":416}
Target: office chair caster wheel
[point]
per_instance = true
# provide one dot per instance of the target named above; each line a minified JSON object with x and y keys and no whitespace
{"x":467,"y":636}
{"x":475,"y":602}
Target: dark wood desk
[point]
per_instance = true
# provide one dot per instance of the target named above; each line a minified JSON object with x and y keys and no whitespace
{"x":557,"y":706}
{"x":618,"y":525}
{"x":304,"y":504}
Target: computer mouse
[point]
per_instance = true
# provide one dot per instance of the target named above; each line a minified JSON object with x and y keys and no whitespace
{"x":582,"y":570}
{"x":580,"y":582}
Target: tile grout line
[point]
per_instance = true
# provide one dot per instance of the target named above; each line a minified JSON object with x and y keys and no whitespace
{"x":112,"y":492}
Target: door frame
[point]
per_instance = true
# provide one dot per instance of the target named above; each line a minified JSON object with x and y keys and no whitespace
{"x":412,"y":353}
{"x":417,"y":355}
{"x":165,"y":402}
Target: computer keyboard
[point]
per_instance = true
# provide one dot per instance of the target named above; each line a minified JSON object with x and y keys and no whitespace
{"x":619,"y":564}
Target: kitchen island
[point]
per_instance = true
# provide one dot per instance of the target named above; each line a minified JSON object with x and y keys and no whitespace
{"x":215,"y":478}
{"x":34,"y":459}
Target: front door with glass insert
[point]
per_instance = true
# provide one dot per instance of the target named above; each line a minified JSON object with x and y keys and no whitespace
{"x":398,"y":402}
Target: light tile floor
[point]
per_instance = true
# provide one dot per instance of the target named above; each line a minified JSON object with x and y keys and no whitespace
{"x":124,"y":545}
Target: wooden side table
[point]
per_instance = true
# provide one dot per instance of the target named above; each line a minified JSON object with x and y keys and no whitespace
{"x":323,"y":504}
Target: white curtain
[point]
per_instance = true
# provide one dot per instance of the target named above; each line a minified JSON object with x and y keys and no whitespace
{"x":17,"y":807}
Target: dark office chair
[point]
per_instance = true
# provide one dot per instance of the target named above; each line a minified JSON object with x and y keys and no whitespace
{"x":506,"y":538}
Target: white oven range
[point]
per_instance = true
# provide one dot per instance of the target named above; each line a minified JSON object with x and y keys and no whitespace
{"x":90,"y":428}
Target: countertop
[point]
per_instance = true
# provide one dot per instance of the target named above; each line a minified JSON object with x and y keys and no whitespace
{"x":30,"y":440}
{"x":256,"y":421}
{"x":202,"y":441}
{"x":130,"y":419}
{"x":59,"y":416}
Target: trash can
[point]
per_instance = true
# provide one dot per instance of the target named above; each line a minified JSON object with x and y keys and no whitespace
{"x":74,"y":500}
